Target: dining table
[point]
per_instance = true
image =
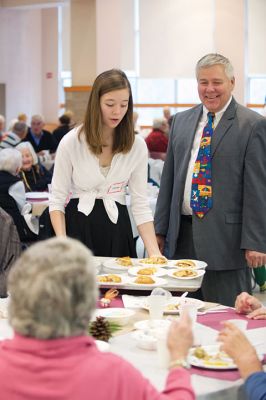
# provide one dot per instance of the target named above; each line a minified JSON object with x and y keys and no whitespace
{"x":208,"y":384}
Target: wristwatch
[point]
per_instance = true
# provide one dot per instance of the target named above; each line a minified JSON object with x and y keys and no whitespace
{"x":181,"y":362}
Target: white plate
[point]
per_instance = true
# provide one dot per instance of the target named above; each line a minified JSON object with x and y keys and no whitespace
{"x":175,"y":300}
{"x":124,"y":280}
{"x":145,"y":340}
{"x":211,"y":350}
{"x":199,"y":272}
{"x":112,"y":264}
{"x":148,"y":324}
{"x":97,"y":261}
{"x":102,"y":346}
{"x":157,"y":282}
{"x":159,"y":271}
{"x":198,"y":264}
{"x":144,"y":264}
{"x":119,"y":316}
{"x":37,"y":196}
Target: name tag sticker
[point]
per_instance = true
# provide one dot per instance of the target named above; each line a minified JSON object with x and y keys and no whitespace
{"x":117,"y":187}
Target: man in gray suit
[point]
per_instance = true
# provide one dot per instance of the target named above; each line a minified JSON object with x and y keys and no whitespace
{"x":231,"y":236}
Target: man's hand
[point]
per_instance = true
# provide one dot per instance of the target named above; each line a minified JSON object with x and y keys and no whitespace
{"x":255,"y":259}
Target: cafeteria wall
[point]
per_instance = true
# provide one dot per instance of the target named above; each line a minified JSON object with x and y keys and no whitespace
{"x":29,"y":51}
{"x":99,"y":34}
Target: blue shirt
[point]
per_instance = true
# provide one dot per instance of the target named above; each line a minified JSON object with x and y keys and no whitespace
{"x":255,"y":386}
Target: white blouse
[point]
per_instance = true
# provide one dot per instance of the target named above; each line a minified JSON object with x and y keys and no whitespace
{"x":77,"y":174}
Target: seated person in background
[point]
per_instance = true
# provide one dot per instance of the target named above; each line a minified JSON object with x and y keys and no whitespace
{"x":157,"y":140}
{"x":237,"y":346}
{"x":34,"y":176}
{"x":22,"y":118}
{"x":12,"y":195}
{"x":64,"y":127}
{"x":2,"y":127}
{"x":39,"y":137}
{"x":247,"y":304}
{"x":13,"y":138}
{"x":53,"y":292}
{"x":135,"y":121}
{"x":167,"y":115}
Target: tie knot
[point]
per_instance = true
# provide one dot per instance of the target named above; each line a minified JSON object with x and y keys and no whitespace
{"x":211,"y":117}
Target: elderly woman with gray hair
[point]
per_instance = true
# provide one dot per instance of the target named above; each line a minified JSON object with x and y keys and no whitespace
{"x":53,"y":293}
{"x":34,"y":175}
{"x":12,"y":195}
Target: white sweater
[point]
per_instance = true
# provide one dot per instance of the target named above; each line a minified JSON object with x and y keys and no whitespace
{"x":77,"y":175}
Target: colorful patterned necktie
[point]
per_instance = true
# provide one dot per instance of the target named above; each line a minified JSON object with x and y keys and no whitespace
{"x":201,"y":191}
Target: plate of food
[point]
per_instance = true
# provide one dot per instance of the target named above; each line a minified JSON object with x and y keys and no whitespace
{"x":173,"y":304}
{"x":147,"y":271}
{"x":187,"y":264}
{"x":112,"y":279}
{"x":147,"y":281}
{"x":152,"y":261}
{"x":119,"y":263}
{"x":210,"y":357}
{"x":182,"y":273}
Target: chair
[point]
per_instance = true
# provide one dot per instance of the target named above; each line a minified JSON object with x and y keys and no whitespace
{"x":10,"y":248}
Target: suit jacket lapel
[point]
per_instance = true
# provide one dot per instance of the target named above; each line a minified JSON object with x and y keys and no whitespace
{"x":188,"y":138}
{"x":224,"y":125}
{"x":191,"y":125}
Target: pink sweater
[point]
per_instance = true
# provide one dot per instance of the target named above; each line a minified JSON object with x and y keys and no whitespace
{"x":74,"y":369}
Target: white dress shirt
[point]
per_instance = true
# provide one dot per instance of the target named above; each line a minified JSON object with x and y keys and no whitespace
{"x":186,"y":209}
{"x":77,"y":174}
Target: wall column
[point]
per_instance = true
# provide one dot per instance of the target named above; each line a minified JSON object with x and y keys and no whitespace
{"x":82,"y":55}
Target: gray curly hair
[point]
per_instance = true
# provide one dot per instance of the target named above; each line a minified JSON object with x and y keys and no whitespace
{"x":213,"y":59}
{"x":53,"y":289}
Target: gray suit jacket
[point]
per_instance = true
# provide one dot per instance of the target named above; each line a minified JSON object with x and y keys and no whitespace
{"x":237,"y":220}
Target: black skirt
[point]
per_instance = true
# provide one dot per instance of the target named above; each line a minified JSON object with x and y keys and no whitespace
{"x":98,"y":232}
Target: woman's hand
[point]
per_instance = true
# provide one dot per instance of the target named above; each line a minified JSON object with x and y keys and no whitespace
{"x":180,"y":338}
{"x":245,"y":303}
{"x":237,"y":346}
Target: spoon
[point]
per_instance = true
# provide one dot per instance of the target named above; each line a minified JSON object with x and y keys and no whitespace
{"x":183,"y":295}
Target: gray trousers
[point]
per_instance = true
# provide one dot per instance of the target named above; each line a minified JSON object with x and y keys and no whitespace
{"x":218,"y":286}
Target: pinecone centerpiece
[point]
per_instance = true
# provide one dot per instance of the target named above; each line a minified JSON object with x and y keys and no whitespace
{"x":100,"y":329}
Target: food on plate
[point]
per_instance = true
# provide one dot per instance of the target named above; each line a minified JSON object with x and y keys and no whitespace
{"x":199,"y":352}
{"x":147,"y":271}
{"x":124,"y":261}
{"x":218,"y":359}
{"x":185,"y":273}
{"x":185,"y":264}
{"x":144,"y":280}
{"x":109,"y":278}
{"x":172,"y":307}
{"x":154,"y":260}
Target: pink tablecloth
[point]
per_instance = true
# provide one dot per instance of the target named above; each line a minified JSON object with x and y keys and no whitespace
{"x":213,"y":320}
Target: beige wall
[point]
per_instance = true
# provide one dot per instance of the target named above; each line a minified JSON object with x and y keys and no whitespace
{"x":229,"y":36}
{"x":23,"y":3}
{"x":83,"y":41}
{"x":20,"y":67}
